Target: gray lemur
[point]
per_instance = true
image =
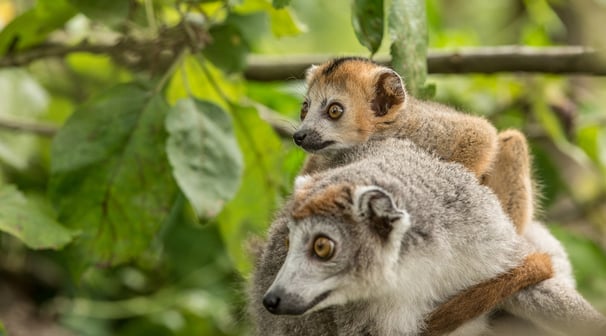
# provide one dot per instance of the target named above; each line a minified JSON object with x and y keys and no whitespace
{"x":376,"y":244}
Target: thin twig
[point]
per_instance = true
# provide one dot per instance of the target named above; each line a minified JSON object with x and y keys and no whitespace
{"x":46,"y":130}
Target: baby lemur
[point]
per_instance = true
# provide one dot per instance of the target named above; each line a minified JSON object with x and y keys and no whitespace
{"x":352,"y":100}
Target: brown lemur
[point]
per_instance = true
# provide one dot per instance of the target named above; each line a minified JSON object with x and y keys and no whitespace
{"x":352,"y":100}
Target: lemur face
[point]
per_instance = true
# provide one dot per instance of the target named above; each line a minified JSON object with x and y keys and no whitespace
{"x":346,"y":99}
{"x":338,"y":245}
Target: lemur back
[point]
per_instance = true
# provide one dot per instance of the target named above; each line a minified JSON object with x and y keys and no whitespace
{"x":350,"y":101}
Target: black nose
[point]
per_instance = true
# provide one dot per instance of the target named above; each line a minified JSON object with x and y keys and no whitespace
{"x":299,"y":136}
{"x":271,"y":301}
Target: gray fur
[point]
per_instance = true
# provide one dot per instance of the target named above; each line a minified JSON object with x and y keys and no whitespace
{"x":458,"y":236}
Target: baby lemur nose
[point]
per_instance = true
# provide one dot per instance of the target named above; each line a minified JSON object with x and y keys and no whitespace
{"x":271,"y":301}
{"x":299,"y":136}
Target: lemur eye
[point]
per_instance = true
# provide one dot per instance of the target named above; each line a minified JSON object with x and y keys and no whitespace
{"x":287,"y":243}
{"x":335,"y":111}
{"x":304,"y":109}
{"x":324,"y":248}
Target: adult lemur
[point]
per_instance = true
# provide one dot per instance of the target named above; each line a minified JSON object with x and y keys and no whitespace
{"x":376,"y":244}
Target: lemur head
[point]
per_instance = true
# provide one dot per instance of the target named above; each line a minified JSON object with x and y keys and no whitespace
{"x":343,"y":242}
{"x":347,"y":101}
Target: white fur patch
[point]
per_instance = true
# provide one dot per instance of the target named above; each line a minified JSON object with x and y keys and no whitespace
{"x":301,"y":180}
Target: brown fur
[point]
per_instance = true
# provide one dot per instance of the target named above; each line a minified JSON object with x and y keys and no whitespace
{"x":510,"y":178}
{"x":485,"y":296}
{"x":331,"y":200}
{"x":377,"y":106}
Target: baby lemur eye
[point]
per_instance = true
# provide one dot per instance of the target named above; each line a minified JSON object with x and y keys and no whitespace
{"x":324,"y":248}
{"x":304,"y":109}
{"x":335,"y":111}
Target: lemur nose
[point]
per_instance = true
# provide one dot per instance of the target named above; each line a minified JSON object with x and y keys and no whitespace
{"x":299,"y":136}
{"x":271,"y":301}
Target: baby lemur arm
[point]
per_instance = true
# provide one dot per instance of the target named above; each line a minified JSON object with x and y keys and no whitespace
{"x":487,"y":295}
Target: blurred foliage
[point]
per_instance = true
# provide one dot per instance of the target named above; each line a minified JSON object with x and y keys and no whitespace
{"x":132,"y":219}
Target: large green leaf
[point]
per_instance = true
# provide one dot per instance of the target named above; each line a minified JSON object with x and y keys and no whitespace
{"x":110,"y":177}
{"x":280,"y":3}
{"x":204,"y":154}
{"x":2,"y":330}
{"x":252,"y":208}
{"x":110,"y":12}
{"x":228,"y":48}
{"x":408,"y":34}
{"x":32,"y":226}
{"x":367,"y":20}
{"x":34,"y":26}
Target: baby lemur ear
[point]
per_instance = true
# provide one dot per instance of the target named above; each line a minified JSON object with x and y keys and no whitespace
{"x":389,"y":92}
{"x":310,"y":72}
{"x":376,"y":206}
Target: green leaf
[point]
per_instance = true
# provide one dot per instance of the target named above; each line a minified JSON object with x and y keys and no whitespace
{"x":110,"y":177}
{"x":34,"y":26}
{"x":28,"y":223}
{"x":204,"y":154}
{"x":280,"y":3}
{"x":284,"y":23}
{"x":252,"y":26}
{"x":2,"y":330}
{"x":367,"y":20}
{"x":253,"y":206}
{"x":547,"y":118}
{"x":199,"y":78}
{"x":408,"y":34}
{"x":110,"y":12}
{"x":589,"y":138}
{"x":22,"y":98}
{"x":228,"y":49}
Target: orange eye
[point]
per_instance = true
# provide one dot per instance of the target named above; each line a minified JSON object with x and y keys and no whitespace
{"x":304,"y":109}
{"x":324,"y":248}
{"x":335,"y":111}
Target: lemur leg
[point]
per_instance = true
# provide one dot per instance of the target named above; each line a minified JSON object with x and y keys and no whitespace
{"x":510,"y":178}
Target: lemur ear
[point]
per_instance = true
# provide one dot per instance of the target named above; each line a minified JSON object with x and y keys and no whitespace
{"x":377,"y":207}
{"x":301,"y":181}
{"x":310,"y":72}
{"x":389,"y":92}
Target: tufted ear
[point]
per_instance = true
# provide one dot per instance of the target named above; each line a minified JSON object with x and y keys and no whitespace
{"x":389,"y":92}
{"x":310,"y":72}
{"x":376,"y":206}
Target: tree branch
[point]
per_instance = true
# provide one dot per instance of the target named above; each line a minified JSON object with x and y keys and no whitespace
{"x":154,"y":55}
{"x":151,"y":54}
{"x":558,"y":60}
{"x":28,"y":127}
